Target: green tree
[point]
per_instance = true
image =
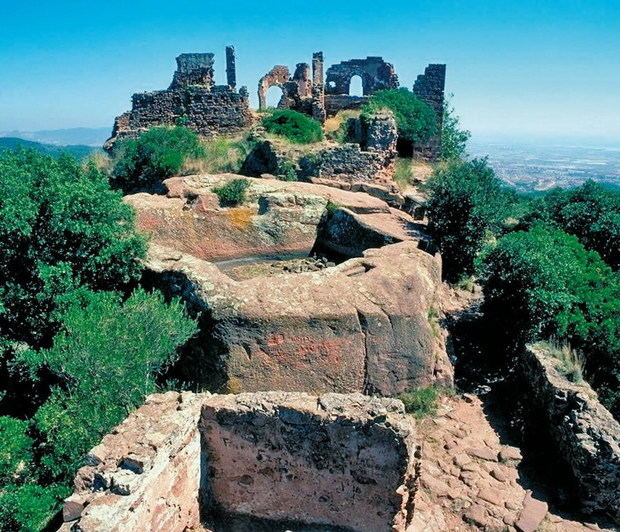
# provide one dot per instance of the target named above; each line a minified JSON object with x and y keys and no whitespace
{"x":453,"y":137}
{"x":161,"y":152}
{"x":61,"y":227}
{"x":296,"y":127}
{"x":416,"y":120}
{"x":15,"y":450}
{"x":466,"y":206}
{"x":29,"y":507}
{"x":541,"y":284}
{"x":107,"y":358}
{"x":591,"y":212}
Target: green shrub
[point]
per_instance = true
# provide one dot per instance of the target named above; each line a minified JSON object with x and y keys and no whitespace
{"x":233,"y":192}
{"x":543,"y":284}
{"x":421,"y":402}
{"x":416,"y":121}
{"x":159,"y":153}
{"x":287,"y":171}
{"x":15,"y":450}
{"x":61,"y":227}
{"x":591,"y":212}
{"x":294,"y":126}
{"x":453,"y":137}
{"x":403,"y":172}
{"x":30,"y":507}
{"x":107,"y":356}
{"x":222,"y":155}
{"x":466,"y":206}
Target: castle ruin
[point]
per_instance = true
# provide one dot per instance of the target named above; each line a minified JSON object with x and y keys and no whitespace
{"x":195,"y":101}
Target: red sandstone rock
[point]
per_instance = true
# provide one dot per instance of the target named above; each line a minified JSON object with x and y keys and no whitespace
{"x":533,"y":513}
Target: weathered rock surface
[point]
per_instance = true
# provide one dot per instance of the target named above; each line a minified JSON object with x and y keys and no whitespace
{"x":584,"y":432}
{"x":362,"y":325}
{"x":335,"y":461}
{"x":463,"y":486}
{"x":277,"y":217}
{"x":331,"y":461}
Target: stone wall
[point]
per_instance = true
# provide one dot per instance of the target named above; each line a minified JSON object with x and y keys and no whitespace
{"x":430,"y":87}
{"x":335,"y":462}
{"x":146,"y":474}
{"x":376,"y":74}
{"x":256,"y":462}
{"x":301,"y":92}
{"x":191,"y":99}
{"x":584,"y":433}
{"x":368,"y":158}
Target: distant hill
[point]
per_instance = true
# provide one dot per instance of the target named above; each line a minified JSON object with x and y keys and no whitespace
{"x":87,"y":136}
{"x":78,"y":151}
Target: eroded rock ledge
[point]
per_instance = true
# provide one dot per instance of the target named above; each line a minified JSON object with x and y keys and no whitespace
{"x":364,"y":325}
{"x":253,"y":462}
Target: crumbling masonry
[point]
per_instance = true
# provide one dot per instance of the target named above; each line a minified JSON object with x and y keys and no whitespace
{"x":195,"y":101}
{"x":192,"y":100}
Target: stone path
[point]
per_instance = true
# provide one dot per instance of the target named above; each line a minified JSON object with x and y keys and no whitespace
{"x":470,"y":481}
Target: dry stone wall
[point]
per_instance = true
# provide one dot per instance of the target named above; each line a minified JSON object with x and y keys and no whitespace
{"x":584,"y":432}
{"x":264,"y":461}
{"x":430,"y":88}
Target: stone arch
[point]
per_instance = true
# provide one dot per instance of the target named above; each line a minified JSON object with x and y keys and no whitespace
{"x":274,"y":96}
{"x":376,"y":74}
{"x":278,"y":76}
{"x":356,"y":85}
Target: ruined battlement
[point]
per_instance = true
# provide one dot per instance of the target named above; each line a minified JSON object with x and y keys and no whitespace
{"x":212,"y":110}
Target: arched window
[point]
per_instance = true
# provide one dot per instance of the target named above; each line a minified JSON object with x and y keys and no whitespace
{"x":274,"y":95}
{"x":356,"y":86}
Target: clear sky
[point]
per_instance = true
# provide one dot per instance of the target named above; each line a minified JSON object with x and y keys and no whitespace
{"x":525,"y":67}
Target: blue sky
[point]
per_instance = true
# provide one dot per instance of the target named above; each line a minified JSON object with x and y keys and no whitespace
{"x":516,"y":68}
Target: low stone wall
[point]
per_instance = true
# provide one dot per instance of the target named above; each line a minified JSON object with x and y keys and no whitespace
{"x":145,"y":475}
{"x":584,"y":432}
{"x":337,"y":462}
{"x":251,"y":462}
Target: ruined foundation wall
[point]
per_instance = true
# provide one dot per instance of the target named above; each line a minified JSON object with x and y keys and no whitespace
{"x":584,"y":432}
{"x":333,"y":461}
{"x":145,"y":475}
{"x":185,"y":461}
{"x":191,"y":99}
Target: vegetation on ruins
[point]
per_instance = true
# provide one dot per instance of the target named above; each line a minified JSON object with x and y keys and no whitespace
{"x":233,"y":192}
{"x":222,"y":155}
{"x":421,"y":402}
{"x":159,"y":153}
{"x":415,"y":119}
{"x":466,"y":206}
{"x":453,"y":137}
{"x":296,"y":127}
{"x":542,"y":284}
{"x":78,"y":348}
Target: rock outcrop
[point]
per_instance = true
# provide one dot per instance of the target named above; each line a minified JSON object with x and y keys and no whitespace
{"x":584,"y":432}
{"x":253,"y":462}
{"x":278,"y":217}
{"x":361,"y":326}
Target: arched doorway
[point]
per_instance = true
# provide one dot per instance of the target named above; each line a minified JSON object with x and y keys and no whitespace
{"x":356,"y":86}
{"x":274,"y":95}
